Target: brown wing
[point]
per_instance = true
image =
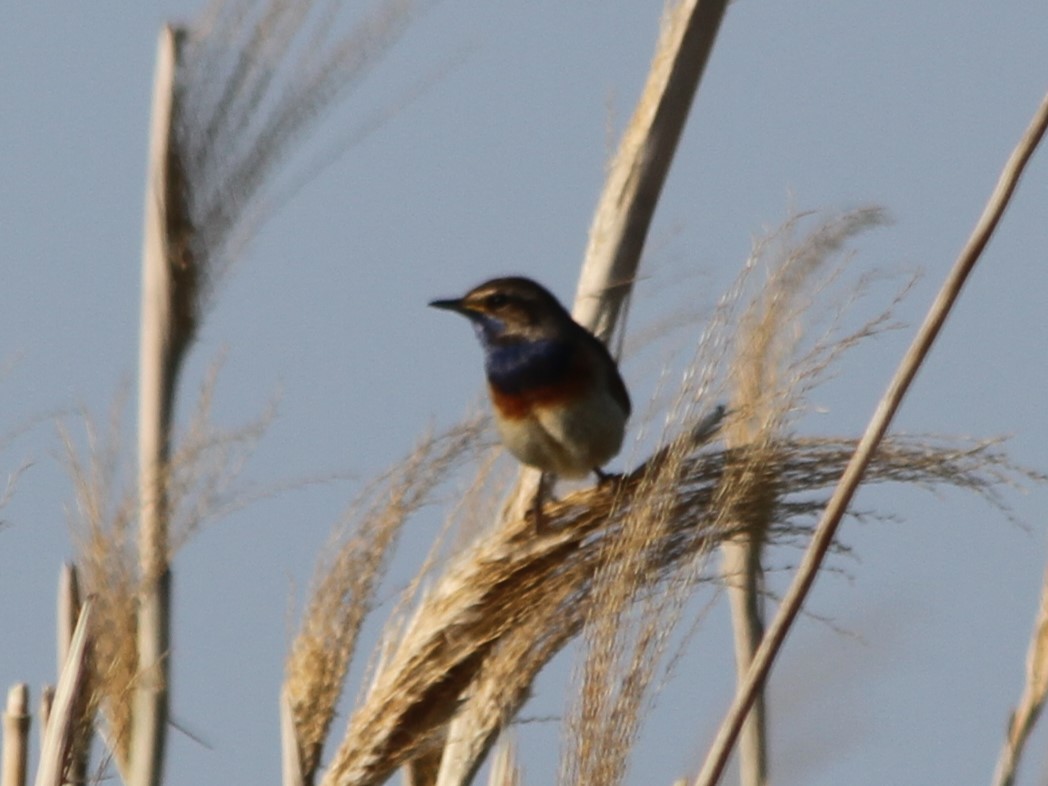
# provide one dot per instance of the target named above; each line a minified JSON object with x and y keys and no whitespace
{"x":615,"y":383}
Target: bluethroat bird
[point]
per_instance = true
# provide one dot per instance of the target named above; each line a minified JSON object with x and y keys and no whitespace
{"x":560,"y":404}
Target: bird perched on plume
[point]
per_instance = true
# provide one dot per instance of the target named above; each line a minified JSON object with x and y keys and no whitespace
{"x":560,"y":404}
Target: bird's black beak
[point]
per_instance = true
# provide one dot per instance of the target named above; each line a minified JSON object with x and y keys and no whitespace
{"x":449,"y":305}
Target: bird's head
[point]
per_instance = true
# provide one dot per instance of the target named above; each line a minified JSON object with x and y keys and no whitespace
{"x":510,"y":309}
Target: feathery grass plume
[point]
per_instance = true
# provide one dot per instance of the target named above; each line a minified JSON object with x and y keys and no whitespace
{"x":473,"y":509}
{"x":101,"y":523}
{"x":346,"y":580}
{"x":765,"y":394}
{"x":627,"y":630}
{"x":233,"y":93}
{"x":256,"y":78}
{"x":514,"y":588}
{"x":206,"y":468}
{"x":625,"y":634}
{"x":633,"y":601}
{"x":205,"y":471}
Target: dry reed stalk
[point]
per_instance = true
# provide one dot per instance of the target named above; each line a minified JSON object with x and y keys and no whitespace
{"x":16,"y":736}
{"x":202,"y":483}
{"x":634,"y":181}
{"x":47,"y":699}
{"x":69,"y":605}
{"x":505,"y":769}
{"x":1028,"y":710}
{"x":168,"y":322}
{"x":101,"y":525}
{"x":68,"y":609}
{"x":744,"y":578}
{"x":291,"y":770}
{"x":531,"y":594}
{"x":865,"y":452}
{"x":62,"y":720}
{"x":638,"y":170}
{"x":345,"y":583}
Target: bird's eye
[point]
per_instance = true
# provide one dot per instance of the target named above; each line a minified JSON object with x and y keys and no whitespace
{"x":495,"y":301}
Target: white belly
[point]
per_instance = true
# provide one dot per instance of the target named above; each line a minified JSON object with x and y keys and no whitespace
{"x":569,"y":441}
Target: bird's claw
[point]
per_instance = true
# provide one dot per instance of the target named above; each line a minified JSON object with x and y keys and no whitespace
{"x":604,"y":478}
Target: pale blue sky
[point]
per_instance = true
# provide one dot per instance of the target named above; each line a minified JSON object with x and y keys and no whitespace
{"x":496,"y":169}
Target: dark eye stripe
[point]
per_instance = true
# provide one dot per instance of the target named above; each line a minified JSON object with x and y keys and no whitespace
{"x":496,"y":300}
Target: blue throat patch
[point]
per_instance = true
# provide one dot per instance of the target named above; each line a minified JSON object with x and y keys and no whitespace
{"x":517,"y":366}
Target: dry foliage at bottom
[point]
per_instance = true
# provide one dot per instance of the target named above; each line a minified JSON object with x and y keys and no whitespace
{"x":505,"y":606}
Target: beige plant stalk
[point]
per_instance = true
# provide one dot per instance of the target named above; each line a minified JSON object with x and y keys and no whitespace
{"x":69,"y":606}
{"x":57,"y":746}
{"x":168,"y":322}
{"x":15,"y":761}
{"x":505,"y":767}
{"x":1031,"y":702}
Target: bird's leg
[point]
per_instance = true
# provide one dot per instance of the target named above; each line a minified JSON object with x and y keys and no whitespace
{"x":536,"y":507}
{"x":603,"y":478}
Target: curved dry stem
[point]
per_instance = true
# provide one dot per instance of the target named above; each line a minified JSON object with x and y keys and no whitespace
{"x":1031,"y":702}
